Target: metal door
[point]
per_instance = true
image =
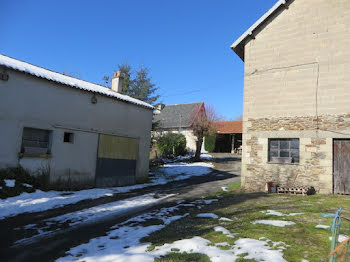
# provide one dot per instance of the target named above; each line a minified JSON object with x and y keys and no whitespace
{"x":341,"y":166}
{"x":116,"y":161}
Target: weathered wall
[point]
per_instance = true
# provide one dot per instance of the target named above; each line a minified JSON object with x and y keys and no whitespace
{"x":297,"y":86}
{"x":27,"y":101}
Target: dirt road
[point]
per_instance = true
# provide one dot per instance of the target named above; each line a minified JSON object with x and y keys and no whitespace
{"x":52,"y":246}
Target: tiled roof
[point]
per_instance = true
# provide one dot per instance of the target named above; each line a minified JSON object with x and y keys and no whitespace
{"x":228,"y":127}
{"x":67,"y":80}
{"x":176,"y":116}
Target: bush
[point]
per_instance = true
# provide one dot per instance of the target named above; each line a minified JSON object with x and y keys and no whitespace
{"x":209,"y":143}
{"x":172,"y":145}
{"x":22,"y":177}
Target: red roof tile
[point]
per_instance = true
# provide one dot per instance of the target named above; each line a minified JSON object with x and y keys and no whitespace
{"x":228,"y":127}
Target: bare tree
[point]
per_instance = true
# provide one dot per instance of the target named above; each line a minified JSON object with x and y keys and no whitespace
{"x":202,"y":118}
{"x":239,"y":118}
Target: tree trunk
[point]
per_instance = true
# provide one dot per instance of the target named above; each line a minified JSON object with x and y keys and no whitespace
{"x":197,"y":156}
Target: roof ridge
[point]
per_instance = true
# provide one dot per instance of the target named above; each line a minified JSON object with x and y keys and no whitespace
{"x":54,"y":76}
{"x":185,"y":103}
{"x":249,"y":32}
{"x":52,"y":71}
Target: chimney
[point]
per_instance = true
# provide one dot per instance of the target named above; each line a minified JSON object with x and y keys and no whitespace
{"x":117,"y":82}
{"x":159,"y":108}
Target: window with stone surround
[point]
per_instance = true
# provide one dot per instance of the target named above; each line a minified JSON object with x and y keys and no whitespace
{"x":284,"y":150}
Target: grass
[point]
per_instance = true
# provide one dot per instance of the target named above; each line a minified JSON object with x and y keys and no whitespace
{"x":306,"y":241}
{"x":183,"y":257}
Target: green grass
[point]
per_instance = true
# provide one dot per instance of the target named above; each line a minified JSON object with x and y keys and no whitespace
{"x":306,"y":241}
{"x":183,"y":257}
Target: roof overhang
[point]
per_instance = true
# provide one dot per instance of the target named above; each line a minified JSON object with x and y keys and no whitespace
{"x":238,"y":45}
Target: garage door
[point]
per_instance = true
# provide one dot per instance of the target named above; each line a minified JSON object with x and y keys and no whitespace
{"x":116,"y":161}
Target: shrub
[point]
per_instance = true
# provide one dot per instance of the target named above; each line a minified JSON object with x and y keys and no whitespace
{"x":209,"y":143}
{"x":22,"y":177}
{"x":172,"y":145}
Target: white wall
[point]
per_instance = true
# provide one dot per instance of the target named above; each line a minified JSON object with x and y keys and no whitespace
{"x":28,"y":101}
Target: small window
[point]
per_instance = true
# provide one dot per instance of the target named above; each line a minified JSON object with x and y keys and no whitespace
{"x":36,"y":141}
{"x":284,"y":150}
{"x":68,"y":137}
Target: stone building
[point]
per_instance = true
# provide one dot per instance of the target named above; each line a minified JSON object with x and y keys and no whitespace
{"x":296,"y":120}
{"x":76,"y":132}
{"x":178,"y":119}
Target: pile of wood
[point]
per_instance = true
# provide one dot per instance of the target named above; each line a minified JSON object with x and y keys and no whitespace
{"x":296,"y":190}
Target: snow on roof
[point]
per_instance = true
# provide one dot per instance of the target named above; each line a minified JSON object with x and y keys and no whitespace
{"x":67,"y":80}
{"x":238,"y":45}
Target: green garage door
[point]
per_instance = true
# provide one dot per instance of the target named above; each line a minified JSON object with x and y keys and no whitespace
{"x":116,"y":161}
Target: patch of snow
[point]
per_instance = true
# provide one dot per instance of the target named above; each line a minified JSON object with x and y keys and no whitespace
{"x":295,"y":214}
{"x":259,"y":250}
{"x":273,"y":213}
{"x":224,"y":188}
{"x":122,"y":244}
{"x":225,"y":219}
{"x":322,"y":226}
{"x":66,"y":80}
{"x":40,"y":201}
{"x":98,"y":212}
{"x":207,"y":215}
{"x":341,"y":238}
{"x":10,"y":182}
{"x":224,"y":231}
{"x":206,"y":157}
{"x":280,"y":214}
{"x":276,"y":223}
{"x":181,"y":171}
{"x":26,"y":185}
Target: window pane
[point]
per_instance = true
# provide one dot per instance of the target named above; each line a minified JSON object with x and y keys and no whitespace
{"x":35,"y":140}
{"x":284,"y":144}
{"x":294,"y":144}
{"x":273,"y":153}
{"x":284,"y":154}
{"x":273,"y":144}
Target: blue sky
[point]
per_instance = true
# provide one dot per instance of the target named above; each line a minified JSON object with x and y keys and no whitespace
{"x":184,"y":43}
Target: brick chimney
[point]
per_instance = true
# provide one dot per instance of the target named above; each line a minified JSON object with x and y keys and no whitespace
{"x":117,"y":82}
{"x":159,"y":108}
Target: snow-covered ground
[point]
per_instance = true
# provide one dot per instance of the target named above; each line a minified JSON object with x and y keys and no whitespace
{"x":92,"y":214}
{"x":122,"y":243}
{"x":41,"y":201}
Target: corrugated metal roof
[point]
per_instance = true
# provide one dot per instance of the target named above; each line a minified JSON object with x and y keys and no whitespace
{"x":67,"y":80}
{"x":228,"y":127}
{"x":176,"y":116}
{"x":238,"y":45}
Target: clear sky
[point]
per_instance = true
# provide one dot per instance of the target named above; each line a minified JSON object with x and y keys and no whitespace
{"x":184,"y":43}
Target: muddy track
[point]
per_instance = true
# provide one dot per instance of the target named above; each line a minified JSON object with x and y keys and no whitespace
{"x":53,"y":246}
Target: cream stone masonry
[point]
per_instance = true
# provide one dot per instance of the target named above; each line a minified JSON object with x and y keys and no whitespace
{"x":297,"y":85}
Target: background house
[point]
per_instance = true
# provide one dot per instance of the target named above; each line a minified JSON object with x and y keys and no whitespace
{"x":228,"y":136}
{"x":77,"y":132}
{"x":296,"y":120}
{"x":178,"y":119}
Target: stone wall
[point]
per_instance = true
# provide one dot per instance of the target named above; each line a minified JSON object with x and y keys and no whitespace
{"x":315,"y":167}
